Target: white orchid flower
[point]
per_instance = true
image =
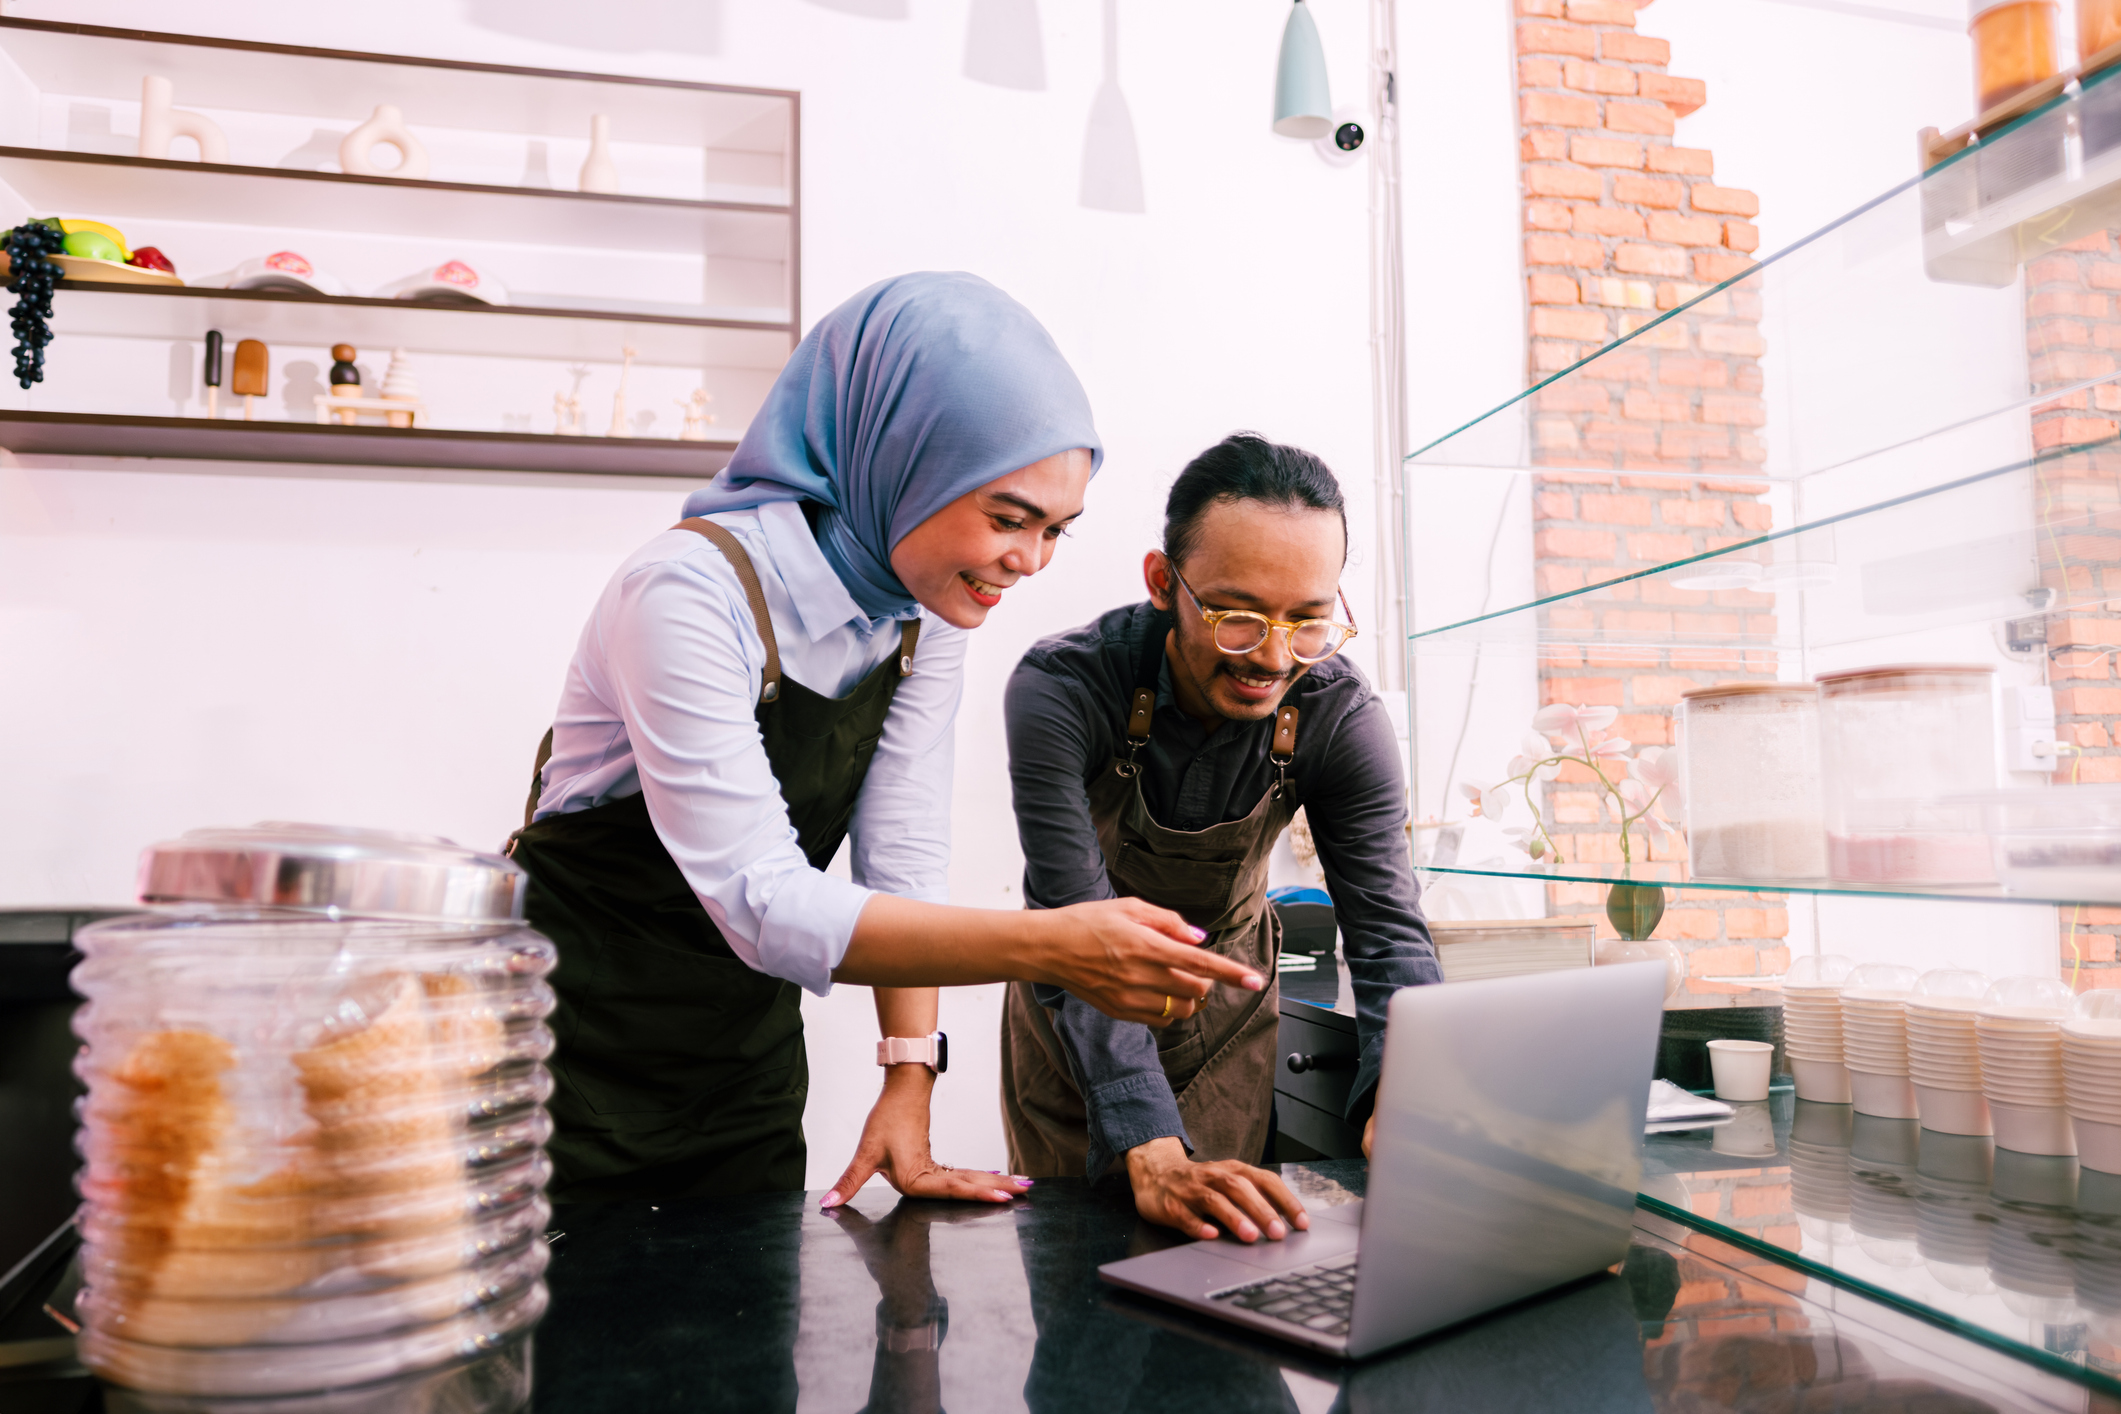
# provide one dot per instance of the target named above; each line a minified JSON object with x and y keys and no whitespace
{"x":1495,"y":802}
{"x":1656,"y":768}
{"x":1519,"y":765}
{"x":1536,"y":746}
{"x":1562,"y":720}
{"x":1611,"y":747}
{"x":1472,"y":793}
{"x":1634,"y":794}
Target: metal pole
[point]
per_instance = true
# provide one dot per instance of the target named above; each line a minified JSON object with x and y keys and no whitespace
{"x":1388,"y":357}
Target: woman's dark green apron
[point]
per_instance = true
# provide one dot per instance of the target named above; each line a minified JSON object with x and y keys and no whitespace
{"x":1220,"y":1060}
{"x":680,"y":1071}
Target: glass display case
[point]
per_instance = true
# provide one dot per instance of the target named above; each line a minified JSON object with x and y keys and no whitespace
{"x":1882,"y":470}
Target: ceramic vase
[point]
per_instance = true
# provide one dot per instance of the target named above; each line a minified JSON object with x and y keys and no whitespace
{"x":599,"y":173}
{"x":160,"y":124}
{"x":386,"y":124}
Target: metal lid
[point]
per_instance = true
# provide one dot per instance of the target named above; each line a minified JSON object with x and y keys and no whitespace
{"x":1751,"y":689}
{"x":1905,"y":670}
{"x":372,"y":873}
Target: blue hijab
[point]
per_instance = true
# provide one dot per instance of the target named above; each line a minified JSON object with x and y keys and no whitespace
{"x":909,"y":395}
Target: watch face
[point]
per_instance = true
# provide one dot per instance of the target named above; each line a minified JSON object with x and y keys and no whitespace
{"x":942,"y":1053}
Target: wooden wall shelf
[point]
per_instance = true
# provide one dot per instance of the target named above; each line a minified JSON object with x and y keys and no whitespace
{"x":203,"y":439}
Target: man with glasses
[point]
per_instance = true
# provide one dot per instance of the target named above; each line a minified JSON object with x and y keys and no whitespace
{"x":1159,"y":752}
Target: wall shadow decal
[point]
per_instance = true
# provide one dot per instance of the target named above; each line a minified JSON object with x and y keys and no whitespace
{"x":618,"y":27}
{"x":1002,"y":44}
{"x":1112,"y":163}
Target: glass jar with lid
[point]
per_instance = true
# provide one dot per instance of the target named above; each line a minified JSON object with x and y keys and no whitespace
{"x":1900,"y":751}
{"x":314,"y":1126}
{"x":2015,"y":47}
{"x":1750,"y":752}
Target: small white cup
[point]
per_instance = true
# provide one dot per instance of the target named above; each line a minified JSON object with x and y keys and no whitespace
{"x":1740,"y":1068}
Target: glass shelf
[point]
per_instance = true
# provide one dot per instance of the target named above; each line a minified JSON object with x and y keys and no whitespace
{"x":2019,"y":1251}
{"x":1673,"y":874}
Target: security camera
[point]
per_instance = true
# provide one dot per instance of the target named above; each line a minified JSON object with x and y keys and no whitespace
{"x":1341,"y":146}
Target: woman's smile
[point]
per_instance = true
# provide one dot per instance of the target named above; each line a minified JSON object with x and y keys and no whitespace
{"x":987,"y":594}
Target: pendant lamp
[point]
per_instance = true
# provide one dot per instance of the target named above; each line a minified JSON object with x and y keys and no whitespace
{"x":1303,"y":105}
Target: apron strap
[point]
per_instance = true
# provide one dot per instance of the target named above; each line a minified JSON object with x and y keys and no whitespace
{"x":537,"y":783}
{"x":1141,"y":704}
{"x":1282,"y":750}
{"x":770,"y":679}
{"x":909,"y":634}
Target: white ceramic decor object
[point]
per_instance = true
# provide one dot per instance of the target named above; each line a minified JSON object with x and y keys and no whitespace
{"x":400,"y":385}
{"x":599,"y":173}
{"x":618,"y":400}
{"x":160,"y":124}
{"x":385,"y":125}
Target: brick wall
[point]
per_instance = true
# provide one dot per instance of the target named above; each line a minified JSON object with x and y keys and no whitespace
{"x":2073,"y":333}
{"x":1622,"y":226}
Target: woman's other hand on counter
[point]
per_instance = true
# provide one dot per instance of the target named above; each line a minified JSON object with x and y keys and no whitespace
{"x":1172,"y":1190}
{"x":1134,"y":961}
{"x":895,"y":1143}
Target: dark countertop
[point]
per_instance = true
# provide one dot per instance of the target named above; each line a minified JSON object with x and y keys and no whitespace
{"x":764,"y":1304}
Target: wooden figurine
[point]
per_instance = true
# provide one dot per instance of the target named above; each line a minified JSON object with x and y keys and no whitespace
{"x":345,"y":381}
{"x":618,"y":401}
{"x":251,"y":377}
{"x":696,"y":416}
{"x":566,"y":416}
{"x":213,"y":373}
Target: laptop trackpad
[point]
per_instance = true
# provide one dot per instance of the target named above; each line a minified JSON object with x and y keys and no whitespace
{"x":1300,"y":1248}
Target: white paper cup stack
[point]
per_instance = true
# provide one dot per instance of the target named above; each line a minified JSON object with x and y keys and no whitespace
{"x":2019,"y":1028}
{"x":2091,"y":1078}
{"x":1811,"y":1027}
{"x":1943,"y":1053}
{"x":1874,"y":1039}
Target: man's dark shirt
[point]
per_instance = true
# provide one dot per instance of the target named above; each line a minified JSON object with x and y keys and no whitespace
{"x":1065,"y":712}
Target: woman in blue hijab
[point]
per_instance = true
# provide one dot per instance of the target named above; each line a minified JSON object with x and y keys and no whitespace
{"x":780,"y":672}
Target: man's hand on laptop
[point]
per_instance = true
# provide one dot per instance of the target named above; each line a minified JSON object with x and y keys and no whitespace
{"x":1173,"y":1190}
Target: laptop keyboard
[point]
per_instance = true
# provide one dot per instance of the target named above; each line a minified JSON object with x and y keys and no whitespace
{"x":1318,"y":1297}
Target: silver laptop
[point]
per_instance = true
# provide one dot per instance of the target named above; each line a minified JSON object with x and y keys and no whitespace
{"x":1506,"y":1159}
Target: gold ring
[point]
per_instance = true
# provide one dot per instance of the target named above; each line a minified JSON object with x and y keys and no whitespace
{"x":1167,"y":1008}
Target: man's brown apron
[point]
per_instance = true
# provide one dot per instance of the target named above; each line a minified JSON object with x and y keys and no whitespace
{"x":1220,"y":1060}
{"x":680,"y":1071}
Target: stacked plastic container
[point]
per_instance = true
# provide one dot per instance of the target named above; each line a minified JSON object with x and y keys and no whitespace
{"x":1811,"y":1026}
{"x":2091,"y":1078}
{"x":1943,"y":1054}
{"x":2019,"y":1028}
{"x":1874,"y":1039}
{"x":314,"y":1126}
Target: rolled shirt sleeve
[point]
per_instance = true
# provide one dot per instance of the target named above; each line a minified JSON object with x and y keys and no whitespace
{"x":661,"y":699}
{"x":1356,"y":802}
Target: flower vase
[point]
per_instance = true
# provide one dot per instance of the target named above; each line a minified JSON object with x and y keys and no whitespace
{"x":1635,"y":909}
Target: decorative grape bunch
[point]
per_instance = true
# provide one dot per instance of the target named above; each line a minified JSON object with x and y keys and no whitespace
{"x":32,"y":278}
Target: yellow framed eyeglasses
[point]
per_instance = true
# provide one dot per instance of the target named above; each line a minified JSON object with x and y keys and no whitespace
{"x":1240,"y":631}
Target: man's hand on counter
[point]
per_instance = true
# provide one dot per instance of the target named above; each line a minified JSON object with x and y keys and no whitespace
{"x":1173,"y":1190}
{"x":895,"y":1144}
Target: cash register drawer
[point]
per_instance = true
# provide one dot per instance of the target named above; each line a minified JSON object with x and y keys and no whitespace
{"x":1309,"y":1104}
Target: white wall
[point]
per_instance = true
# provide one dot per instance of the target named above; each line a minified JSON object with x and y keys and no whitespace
{"x":189,"y":644}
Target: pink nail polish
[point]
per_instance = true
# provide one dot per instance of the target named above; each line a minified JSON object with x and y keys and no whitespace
{"x":1254,"y":982}
{"x":1200,"y":935}
{"x":829,"y":1199}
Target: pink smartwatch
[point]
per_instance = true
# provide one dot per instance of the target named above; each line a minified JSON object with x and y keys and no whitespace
{"x":932,"y":1050}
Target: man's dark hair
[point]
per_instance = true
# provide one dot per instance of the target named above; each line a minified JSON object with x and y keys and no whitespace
{"x":1247,"y":467}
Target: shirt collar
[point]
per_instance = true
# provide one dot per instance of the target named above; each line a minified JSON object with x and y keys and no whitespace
{"x":821,"y":601}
